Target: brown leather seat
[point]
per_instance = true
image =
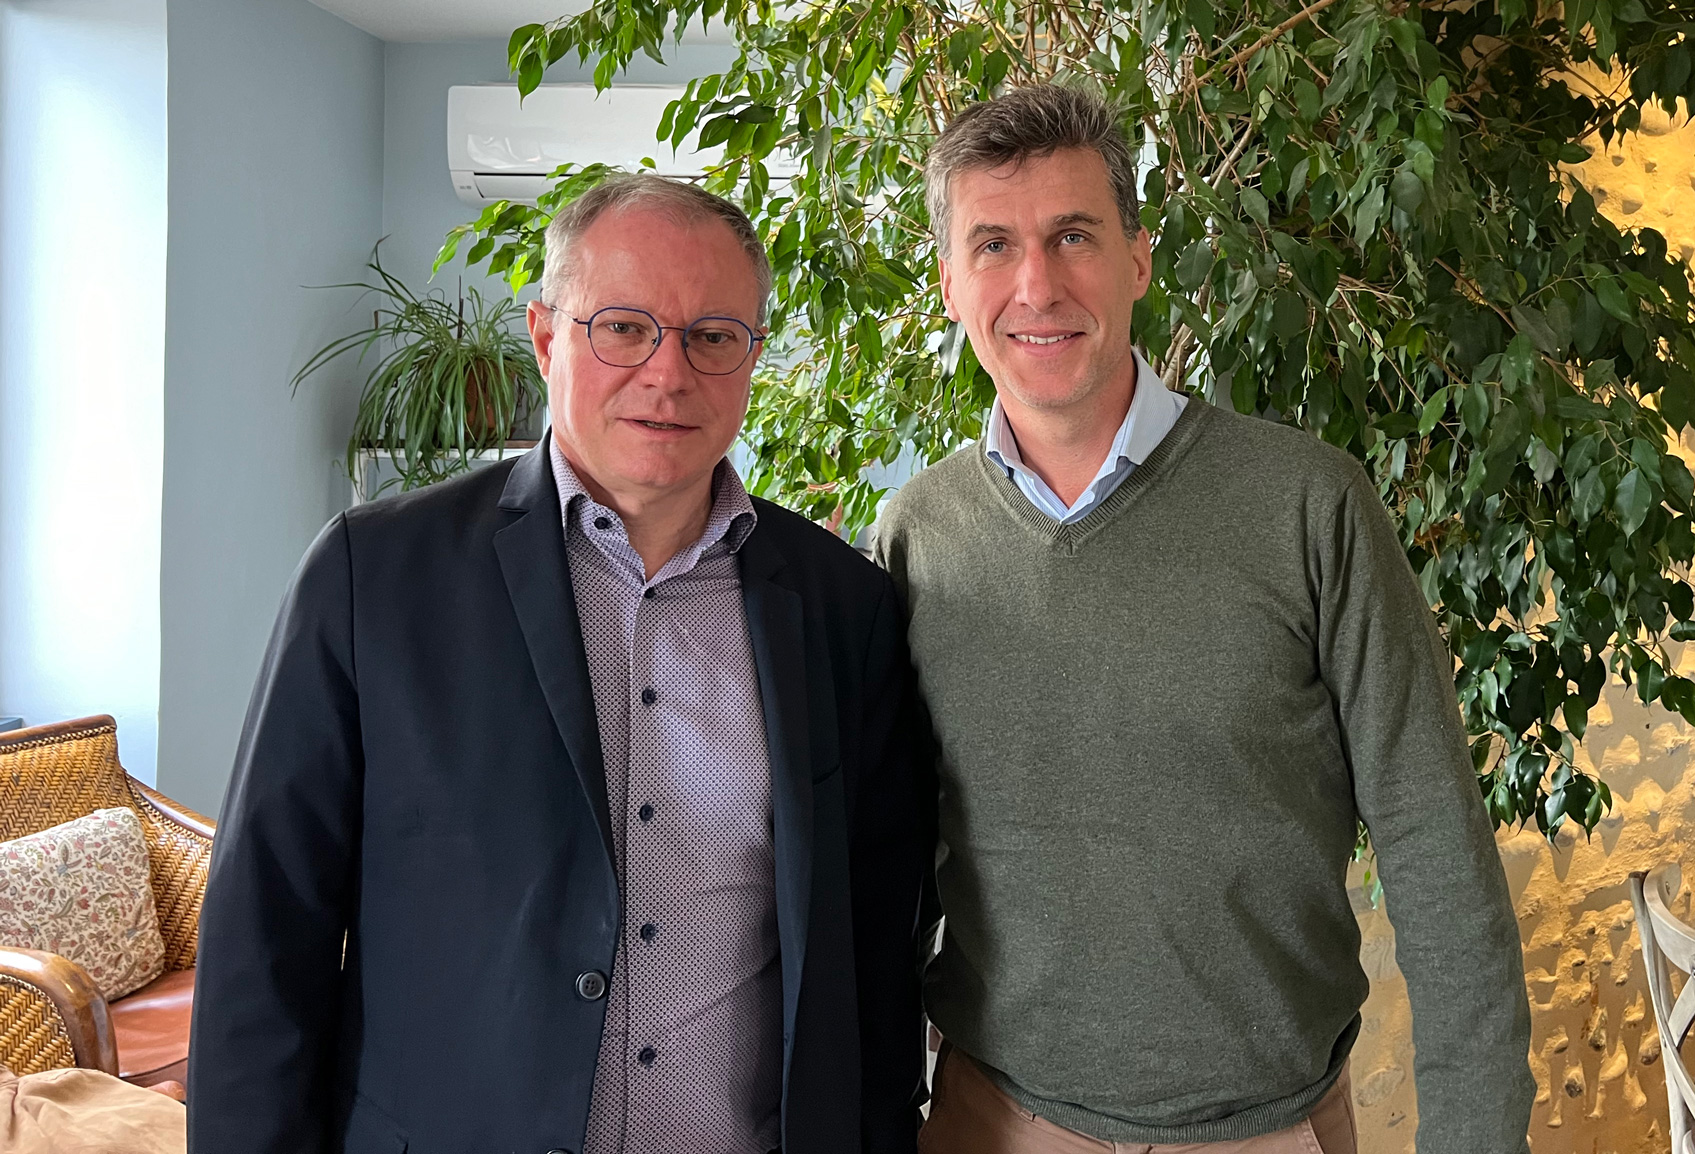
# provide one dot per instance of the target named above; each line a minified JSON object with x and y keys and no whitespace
{"x":151,"y":1029}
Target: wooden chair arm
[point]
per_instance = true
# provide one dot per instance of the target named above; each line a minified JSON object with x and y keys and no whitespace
{"x":52,"y":1015}
{"x":175,"y":812}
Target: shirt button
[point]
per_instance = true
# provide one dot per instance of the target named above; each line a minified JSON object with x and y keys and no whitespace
{"x":602,"y":523}
{"x":646,"y":1056}
{"x":649,"y":697}
{"x":648,"y":593}
{"x":648,"y":931}
{"x":645,"y":813}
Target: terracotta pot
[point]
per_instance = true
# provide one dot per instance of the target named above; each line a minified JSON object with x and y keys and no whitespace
{"x":480,"y":416}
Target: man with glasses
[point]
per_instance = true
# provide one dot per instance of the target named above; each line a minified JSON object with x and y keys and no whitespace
{"x":581,"y":805}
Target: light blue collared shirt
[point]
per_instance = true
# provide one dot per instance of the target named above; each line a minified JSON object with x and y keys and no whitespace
{"x":1153,"y":411}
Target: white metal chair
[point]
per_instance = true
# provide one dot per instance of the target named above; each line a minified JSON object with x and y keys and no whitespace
{"x":1667,"y":942}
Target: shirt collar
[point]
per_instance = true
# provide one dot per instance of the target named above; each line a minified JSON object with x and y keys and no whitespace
{"x":731,"y":520}
{"x":1144,"y":426}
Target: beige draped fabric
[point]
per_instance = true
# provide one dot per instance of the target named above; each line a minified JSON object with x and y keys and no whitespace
{"x":86,"y":1112}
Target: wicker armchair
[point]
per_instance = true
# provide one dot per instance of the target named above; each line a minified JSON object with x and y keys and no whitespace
{"x":51,"y":1013}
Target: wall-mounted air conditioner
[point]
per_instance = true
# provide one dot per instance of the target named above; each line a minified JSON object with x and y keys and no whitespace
{"x":499,"y":149}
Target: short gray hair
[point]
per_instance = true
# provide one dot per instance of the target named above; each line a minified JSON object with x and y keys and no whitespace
{"x":643,"y":190}
{"x":1030,"y":122}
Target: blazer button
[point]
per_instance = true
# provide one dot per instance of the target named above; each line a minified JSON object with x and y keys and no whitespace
{"x":558,"y":1152}
{"x":591,"y":985}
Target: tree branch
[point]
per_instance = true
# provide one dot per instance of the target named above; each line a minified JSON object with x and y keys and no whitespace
{"x":1297,"y":19}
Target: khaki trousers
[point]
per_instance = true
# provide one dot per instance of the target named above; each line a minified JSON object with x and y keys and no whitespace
{"x":971,"y":1115}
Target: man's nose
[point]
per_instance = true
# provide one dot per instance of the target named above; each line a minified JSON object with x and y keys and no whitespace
{"x":1038,"y":280}
{"x":668,"y":367}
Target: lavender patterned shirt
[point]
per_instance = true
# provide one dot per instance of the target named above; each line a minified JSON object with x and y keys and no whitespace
{"x":691,"y":1056}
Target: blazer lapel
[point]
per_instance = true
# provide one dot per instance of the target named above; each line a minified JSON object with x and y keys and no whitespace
{"x":776,"y":627}
{"x":538,"y":579}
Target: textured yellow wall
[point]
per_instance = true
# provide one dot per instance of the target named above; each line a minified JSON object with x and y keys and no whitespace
{"x":1594,"y":1050}
{"x":1647,"y":179}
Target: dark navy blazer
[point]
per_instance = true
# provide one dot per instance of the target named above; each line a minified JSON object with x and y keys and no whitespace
{"x":420,"y":778}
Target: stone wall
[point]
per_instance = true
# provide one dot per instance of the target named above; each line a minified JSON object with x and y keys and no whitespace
{"x":1594,"y":1049}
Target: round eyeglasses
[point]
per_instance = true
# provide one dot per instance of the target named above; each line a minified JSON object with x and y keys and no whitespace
{"x":625,"y":338}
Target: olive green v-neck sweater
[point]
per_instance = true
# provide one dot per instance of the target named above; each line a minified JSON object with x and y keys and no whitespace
{"x":1158,"y":726}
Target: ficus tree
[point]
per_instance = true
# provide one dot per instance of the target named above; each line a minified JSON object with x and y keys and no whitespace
{"x":1361,"y":226}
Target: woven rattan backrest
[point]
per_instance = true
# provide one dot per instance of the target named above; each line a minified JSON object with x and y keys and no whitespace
{"x":56,"y":773}
{"x":181,"y":858}
{"x":32,"y":1034}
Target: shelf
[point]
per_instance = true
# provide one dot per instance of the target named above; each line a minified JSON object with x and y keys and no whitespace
{"x":373,"y":456}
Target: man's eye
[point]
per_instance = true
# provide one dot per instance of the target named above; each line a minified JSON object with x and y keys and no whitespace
{"x":995,"y":247}
{"x":620,"y":328}
{"x":713,"y":337}
{"x":1073,"y":238}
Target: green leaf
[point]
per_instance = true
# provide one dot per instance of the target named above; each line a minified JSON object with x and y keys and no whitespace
{"x":1254,"y":204}
{"x":1432,"y":412}
{"x":1366,"y":218}
{"x":1289,"y":318}
{"x":1680,"y":485}
{"x":1244,"y":393}
{"x":1307,"y":99}
{"x":1576,"y":714}
{"x":1202,"y":18}
{"x":716,"y":131}
{"x":1407,"y":190}
{"x":1475,"y":409}
{"x":521,"y":35}
{"x":604,"y":71}
{"x":1588,"y":493}
{"x":1533,"y":324}
{"x":1632,"y":500}
{"x":1612,"y":298}
{"x":1578,"y":409}
{"x":1194,"y":265}
{"x":530,"y":69}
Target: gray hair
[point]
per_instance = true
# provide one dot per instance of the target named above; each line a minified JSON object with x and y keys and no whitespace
{"x":1030,"y":122}
{"x":678,"y":199}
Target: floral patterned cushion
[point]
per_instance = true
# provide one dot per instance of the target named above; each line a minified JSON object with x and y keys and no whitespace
{"x":81,"y":890}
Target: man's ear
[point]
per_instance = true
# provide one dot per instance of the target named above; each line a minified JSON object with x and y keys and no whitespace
{"x":540,"y":319}
{"x":1142,"y":260}
{"x":947,"y":288}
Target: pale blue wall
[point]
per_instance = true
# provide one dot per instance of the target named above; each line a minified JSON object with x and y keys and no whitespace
{"x":296,"y":142}
{"x":82,"y":279}
{"x":276,"y":148}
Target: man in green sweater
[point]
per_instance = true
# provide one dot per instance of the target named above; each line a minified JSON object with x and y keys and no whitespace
{"x":1174,"y":655}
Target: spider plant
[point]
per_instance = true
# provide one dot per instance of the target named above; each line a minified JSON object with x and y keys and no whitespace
{"x":448,"y":379}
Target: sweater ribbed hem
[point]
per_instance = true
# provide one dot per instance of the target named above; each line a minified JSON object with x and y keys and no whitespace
{"x":1252,"y":1122}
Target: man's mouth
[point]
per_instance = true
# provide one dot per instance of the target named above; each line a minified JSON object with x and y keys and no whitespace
{"x":1032,"y":339}
{"x":665,"y":425}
